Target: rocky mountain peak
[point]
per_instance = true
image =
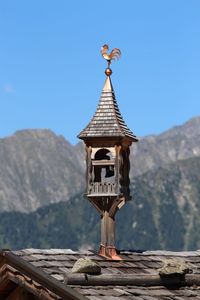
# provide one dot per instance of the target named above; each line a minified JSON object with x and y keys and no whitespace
{"x":38,"y":167}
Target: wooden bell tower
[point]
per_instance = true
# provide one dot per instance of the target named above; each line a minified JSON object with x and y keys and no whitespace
{"x":107,"y":139}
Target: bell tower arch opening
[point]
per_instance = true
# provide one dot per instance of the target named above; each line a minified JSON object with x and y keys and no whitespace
{"x":104,"y":171}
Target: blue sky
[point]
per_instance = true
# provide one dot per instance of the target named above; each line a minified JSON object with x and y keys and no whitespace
{"x":52,"y":72}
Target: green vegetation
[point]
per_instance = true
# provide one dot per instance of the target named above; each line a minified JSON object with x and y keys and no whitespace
{"x":164,"y":214}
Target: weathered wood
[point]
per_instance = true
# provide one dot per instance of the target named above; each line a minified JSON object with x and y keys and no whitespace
{"x":103,"y":162}
{"x":107,"y":230}
{"x":132,"y":279}
{"x":107,"y":121}
{"x":99,"y":189}
{"x":42,"y":278}
{"x":117,"y":151}
{"x":35,"y":291}
{"x":18,"y":294}
{"x":110,"y":279}
{"x":107,"y":133}
{"x":192,"y":279}
{"x":88,"y":173}
{"x":6,"y":286}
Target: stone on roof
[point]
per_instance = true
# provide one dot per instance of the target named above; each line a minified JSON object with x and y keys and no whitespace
{"x":136,"y":276}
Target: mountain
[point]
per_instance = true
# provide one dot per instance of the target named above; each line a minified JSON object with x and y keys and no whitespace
{"x":39,"y":168}
{"x":164,"y":214}
{"x":178,"y":143}
{"x":151,"y":152}
{"x":165,"y":209}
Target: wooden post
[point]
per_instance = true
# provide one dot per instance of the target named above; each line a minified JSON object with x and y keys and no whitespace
{"x":107,"y":230}
{"x":89,"y":167}
{"x":107,"y":247}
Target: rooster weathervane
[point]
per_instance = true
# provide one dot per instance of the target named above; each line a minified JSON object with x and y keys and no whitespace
{"x":114,"y":54}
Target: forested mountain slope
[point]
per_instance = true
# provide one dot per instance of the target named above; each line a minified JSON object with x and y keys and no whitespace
{"x":39,"y":168}
{"x":164,"y":214}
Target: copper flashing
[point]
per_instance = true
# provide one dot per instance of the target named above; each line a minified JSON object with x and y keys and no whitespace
{"x":109,"y":252}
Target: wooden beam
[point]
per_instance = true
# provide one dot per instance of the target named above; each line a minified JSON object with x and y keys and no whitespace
{"x":34,"y":290}
{"x":110,"y":279}
{"x":192,"y":279}
{"x":41,"y":277}
{"x":133,"y":279}
{"x":6,"y":286}
{"x":18,"y":294}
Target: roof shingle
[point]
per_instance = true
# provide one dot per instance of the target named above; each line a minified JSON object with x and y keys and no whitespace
{"x":57,"y":263}
{"x":107,"y":120}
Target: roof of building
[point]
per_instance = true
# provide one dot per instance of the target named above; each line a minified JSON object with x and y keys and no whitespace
{"x":107,"y":120}
{"x":136,"y":276}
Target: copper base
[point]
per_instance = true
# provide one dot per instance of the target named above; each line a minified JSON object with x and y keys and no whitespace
{"x":109,"y":253}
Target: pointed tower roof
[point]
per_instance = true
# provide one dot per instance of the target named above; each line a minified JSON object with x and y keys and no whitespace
{"x":107,"y":120}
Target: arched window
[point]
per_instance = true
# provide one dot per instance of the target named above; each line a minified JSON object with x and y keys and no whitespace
{"x":104,"y":171}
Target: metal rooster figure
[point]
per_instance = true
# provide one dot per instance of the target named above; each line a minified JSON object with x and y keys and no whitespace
{"x":114,"y":54}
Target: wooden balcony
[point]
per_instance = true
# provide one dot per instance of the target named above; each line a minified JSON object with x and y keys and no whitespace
{"x":103,"y":162}
{"x":102,"y":189}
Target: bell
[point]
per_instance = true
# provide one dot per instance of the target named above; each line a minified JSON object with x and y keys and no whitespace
{"x":109,"y":171}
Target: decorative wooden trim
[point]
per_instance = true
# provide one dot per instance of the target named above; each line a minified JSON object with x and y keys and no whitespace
{"x":18,"y":294}
{"x":33,"y":288}
{"x":39,"y":276}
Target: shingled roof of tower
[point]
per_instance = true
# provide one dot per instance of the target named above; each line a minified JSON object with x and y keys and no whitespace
{"x":107,"y":120}
{"x":47,"y":275}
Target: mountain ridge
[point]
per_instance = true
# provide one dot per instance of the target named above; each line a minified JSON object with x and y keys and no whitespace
{"x":31,"y":172}
{"x":38,"y":167}
{"x":156,"y":217}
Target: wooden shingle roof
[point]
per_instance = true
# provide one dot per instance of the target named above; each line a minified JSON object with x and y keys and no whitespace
{"x":107,"y":120}
{"x":45,"y":271}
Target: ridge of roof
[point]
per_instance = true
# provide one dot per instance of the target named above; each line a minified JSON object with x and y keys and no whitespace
{"x":137,"y":275}
{"x":107,"y":120}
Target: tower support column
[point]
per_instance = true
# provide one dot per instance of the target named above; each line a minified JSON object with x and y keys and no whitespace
{"x":107,"y":246}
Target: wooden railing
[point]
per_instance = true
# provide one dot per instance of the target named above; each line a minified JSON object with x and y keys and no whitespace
{"x":102,"y":188}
